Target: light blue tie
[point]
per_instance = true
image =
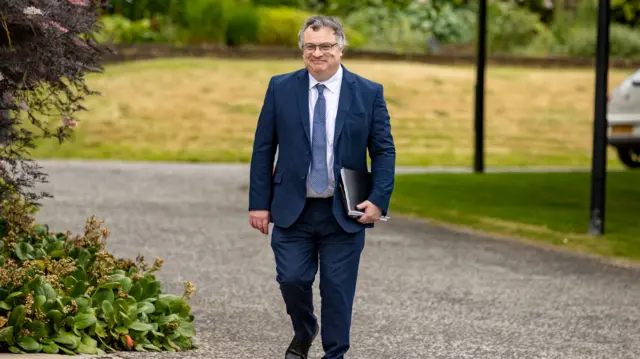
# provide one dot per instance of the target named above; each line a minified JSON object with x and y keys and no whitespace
{"x":319,"y":178}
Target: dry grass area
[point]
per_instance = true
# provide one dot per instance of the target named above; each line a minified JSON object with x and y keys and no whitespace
{"x":206,"y":110}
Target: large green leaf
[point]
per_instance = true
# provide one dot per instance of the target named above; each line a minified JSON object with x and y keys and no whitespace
{"x":70,"y":282}
{"x":110,"y":285}
{"x":151,"y":347}
{"x":24,"y":251}
{"x":50,"y":348}
{"x":88,"y":346}
{"x":41,"y":230}
{"x":100,"y":329}
{"x":39,"y":301}
{"x":126,"y":284}
{"x":117,"y":276}
{"x":146,"y":307}
{"x":54,"y":315}
{"x":125,"y":320}
{"x":69,"y":339}
{"x":37,"y":328}
{"x":166,"y":319}
{"x":109,"y":315}
{"x":101,"y":295}
{"x":16,"y":350}
{"x":122,"y":305}
{"x":67,"y":351}
{"x":16,"y":319}
{"x":14,"y":295}
{"x":136,"y":291}
{"x":183,"y":342}
{"x":79,"y":274}
{"x":36,"y":283}
{"x":29,"y":344}
{"x":174,"y":304}
{"x":141,"y":327}
{"x":186,"y":329}
{"x":39,"y":253}
{"x":4,"y":305}
{"x":78,"y":289}
{"x":84,"y":321}
{"x":6,"y":335}
{"x":49,"y":291}
{"x":84,"y":304}
{"x":52,"y":246}
{"x":58,"y":253}
{"x":152,"y":289}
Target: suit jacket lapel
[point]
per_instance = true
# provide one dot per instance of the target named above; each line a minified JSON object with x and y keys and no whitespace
{"x":303,"y":102}
{"x":344,"y":104}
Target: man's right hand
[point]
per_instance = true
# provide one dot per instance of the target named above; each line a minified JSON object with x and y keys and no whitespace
{"x":260,"y":221}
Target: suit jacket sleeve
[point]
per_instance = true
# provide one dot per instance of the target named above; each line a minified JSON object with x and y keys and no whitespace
{"x":383,"y":154}
{"x":264,"y":149}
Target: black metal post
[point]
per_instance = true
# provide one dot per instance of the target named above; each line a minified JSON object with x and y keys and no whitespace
{"x":478,"y":163}
{"x":599,"y":158}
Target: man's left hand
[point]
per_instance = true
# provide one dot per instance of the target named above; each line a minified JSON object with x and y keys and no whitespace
{"x":371,"y":212}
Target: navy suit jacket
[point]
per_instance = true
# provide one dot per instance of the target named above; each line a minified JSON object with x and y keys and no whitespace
{"x":362,"y":123}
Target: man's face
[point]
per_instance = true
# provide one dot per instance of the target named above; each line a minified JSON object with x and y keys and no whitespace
{"x":322,"y":60}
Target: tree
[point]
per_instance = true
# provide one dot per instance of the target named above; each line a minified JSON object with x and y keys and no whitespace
{"x":46,"y":48}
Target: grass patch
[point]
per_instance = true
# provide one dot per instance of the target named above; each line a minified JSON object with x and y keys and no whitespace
{"x":206,"y":110}
{"x":547,"y":207}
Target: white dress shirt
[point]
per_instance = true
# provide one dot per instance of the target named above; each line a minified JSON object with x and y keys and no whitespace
{"x":332,"y":95}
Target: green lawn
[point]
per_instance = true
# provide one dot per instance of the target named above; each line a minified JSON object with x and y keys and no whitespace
{"x":206,"y":109}
{"x":546,"y":207}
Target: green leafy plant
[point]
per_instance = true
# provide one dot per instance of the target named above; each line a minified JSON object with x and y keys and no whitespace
{"x":387,"y":30}
{"x":624,"y":42}
{"x":61,"y":293}
{"x":279,"y":26}
{"x":118,"y":29}
{"x":449,"y":22}
{"x":511,"y":27}
{"x":205,"y":21}
{"x":243,"y":24}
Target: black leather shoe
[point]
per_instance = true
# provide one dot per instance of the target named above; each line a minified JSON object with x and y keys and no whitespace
{"x":300,"y":349}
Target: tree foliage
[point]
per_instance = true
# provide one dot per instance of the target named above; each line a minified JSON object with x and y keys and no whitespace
{"x":46,"y":49}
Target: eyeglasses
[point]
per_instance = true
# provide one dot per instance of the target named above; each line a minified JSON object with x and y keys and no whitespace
{"x":323,"y":47}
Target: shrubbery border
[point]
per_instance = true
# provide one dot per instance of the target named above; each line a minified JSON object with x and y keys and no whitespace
{"x":133,"y":52}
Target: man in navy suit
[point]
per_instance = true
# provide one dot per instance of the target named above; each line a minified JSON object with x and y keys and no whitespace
{"x":319,"y":119}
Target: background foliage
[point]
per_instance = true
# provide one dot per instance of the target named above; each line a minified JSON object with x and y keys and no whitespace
{"x":530,"y":27}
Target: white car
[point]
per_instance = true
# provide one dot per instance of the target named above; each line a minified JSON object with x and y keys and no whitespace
{"x":623,"y":120}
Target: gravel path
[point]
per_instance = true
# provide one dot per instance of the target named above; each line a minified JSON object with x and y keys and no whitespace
{"x":423,"y":292}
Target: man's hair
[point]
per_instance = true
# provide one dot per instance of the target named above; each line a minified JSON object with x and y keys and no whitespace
{"x":317,"y":22}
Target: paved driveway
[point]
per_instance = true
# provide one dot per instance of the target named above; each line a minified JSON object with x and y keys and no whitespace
{"x":423,"y":292}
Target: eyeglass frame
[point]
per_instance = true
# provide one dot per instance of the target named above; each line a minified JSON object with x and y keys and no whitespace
{"x":313,"y":47}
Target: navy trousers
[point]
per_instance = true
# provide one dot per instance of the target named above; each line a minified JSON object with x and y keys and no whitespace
{"x":317,"y":241}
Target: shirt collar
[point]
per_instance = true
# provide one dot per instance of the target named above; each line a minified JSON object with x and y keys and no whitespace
{"x":332,"y":84}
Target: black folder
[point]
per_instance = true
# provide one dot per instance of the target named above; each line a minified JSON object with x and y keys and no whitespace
{"x":355,"y":187}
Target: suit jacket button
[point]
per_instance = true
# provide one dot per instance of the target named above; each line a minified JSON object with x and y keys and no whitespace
{"x":303,"y":177}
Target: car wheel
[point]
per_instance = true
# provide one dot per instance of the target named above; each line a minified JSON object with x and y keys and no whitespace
{"x":630,"y":156}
